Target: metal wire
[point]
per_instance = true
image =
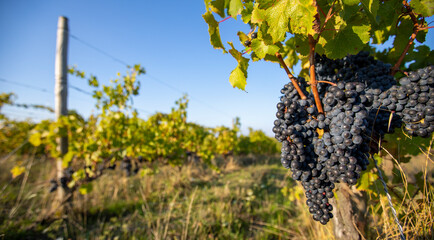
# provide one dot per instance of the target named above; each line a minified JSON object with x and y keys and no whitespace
{"x":389,"y":198}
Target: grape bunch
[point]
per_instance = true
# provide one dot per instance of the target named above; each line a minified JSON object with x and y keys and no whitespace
{"x":362,"y":102}
{"x":296,"y":127}
{"x":413,"y":102}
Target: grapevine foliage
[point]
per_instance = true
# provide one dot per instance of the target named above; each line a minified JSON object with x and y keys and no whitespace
{"x":338,"y":27}
{"x":114,"y":136}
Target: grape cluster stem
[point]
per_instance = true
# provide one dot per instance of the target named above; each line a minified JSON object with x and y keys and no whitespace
{"x":313,"y":82}
{"x":291,"y":77}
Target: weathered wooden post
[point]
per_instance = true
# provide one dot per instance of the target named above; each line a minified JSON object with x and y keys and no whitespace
{"x":61,"y":94}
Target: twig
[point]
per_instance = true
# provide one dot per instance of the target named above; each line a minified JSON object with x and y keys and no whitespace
{"x":317,"y":20}
{"x":319,"y":9}
{"x":425,"y":28}
{"x":313,"y":81}
{"x":291,"y":77}
{"x":331,"y":83}
{"x":327,"y":18}
{"x":416,"y":28}
{"x":312,"y":44}
{"x":225,"y":19}
{"x":395,"y":68}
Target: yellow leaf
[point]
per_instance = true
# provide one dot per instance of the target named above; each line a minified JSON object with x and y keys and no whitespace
{"x":67,"y":159}
{"x":17,"y":171}
{"x":35,"y":139}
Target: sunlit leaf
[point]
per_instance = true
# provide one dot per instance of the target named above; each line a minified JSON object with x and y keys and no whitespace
{"x":35,"y":139}
{"x":235,"y":8}
{"x":214,"y":31}
{"x":17,"y":171}
{"x":423,"y":7}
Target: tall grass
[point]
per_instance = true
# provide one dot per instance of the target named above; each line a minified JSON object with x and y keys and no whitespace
{"x":252,"y":198}
{"x":190,"y":202}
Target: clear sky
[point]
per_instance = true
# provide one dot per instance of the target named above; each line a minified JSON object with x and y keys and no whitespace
{"x":168,"y":38}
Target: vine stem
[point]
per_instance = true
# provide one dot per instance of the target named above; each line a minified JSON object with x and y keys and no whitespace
{"x":291,"y":77}
{"x":225,"y":19}
{"x":395,"y":68}
{"x":313,"y":82}
{"x":329,"y":15}
{"x":416,"y":28}
{"x":331,"y":83}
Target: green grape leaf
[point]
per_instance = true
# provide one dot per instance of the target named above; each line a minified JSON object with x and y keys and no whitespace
{"x":214,"y":31}
{"x":350,"y":40}
{"x":421,"y":36}
{"x":423,"y":7}
{"x":264,"y":35}
{"x":79,"y":175}
{"x":235,"y":8}
{"x":246,"y":13}
{"x":305,"y":70}
{"x":350,"y":2}
{"x":67,"y":159}
{"x":366,"y":181}
{"x":371,"y":8}
{"x":218,"y":6}
{"x":349,"y":12}
{"x":422,"y":57}
{"x":207,"y":3}
{"x":387,"y":16}
{"x":403,"y":33}
{"x":261,"y":49}
{"x":93,"y":81}
{"x":292,"y":58}
{"x":243,"y":37}
{"x":300,"y":12}
{"x":378,"y":158}
{"x":85,"y":188}
{"x":263,"y":4}
{"x":238,"y":77}
{"x":302,"y":16}
{"x":278,"y":19}
{"x":258,"y":15}
{"x":301,"y":44}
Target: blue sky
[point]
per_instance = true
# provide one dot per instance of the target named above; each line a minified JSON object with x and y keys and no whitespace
{"x":168,"y":38}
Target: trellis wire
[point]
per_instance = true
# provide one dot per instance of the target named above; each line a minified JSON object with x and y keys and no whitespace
{"x":389,"y":198}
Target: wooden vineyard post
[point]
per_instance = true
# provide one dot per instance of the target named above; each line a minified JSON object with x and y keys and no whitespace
{"x":61,"y":94}
{"x":349,"y":213}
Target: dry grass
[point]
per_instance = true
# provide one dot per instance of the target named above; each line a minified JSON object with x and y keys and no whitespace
{"x":255,"y":201}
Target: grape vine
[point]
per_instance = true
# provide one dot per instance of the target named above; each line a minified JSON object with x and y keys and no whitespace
{"x":333,"y":116}
{"x":115,"y":137}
